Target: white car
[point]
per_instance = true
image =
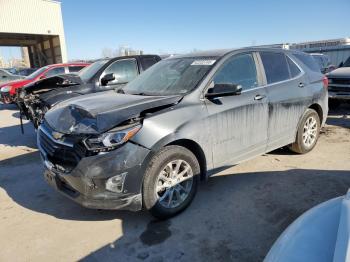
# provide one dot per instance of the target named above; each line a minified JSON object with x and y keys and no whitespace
{"x":320,"y":234}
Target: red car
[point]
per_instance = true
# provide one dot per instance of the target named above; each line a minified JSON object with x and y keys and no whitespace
{"x":8,"y":90}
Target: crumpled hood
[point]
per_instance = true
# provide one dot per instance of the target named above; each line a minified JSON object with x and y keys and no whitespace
{"x":50,"y":83}
{"x":342,"y":72}
{"x":97,"y":113}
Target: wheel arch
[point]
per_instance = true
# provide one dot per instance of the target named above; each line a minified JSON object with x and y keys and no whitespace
{"x":319,"y":111}
{"x":196,"y":149}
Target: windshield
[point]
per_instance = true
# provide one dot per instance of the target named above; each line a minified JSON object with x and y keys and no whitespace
{"x":88,"y":72}
{"x":347,"y":63}
{"x":36,"y":73}
{"x":171,"y":77}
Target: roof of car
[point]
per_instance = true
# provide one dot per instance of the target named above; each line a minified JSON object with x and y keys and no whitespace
{"x":223,"y":52}
{"x":69,"y":64}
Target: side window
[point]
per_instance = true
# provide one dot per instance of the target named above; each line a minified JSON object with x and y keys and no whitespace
{"x":124,"y":71}
{"x":293,"y":68}
{"x":239,"y":70}
{"x":275,"y":65}
{"x":308,"y":61}
{"x":74,"y":69}
{"x":55,"y":71}
{"x":147,"y":62}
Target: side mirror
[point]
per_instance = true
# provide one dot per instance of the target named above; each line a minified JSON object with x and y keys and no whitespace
{"x":42,"y":77}
{"x":219,"y":90}
{"x":107,"y":78}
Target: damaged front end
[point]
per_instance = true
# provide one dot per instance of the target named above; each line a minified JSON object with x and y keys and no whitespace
{"x":95,"y":180}
{"x":88,"y":152}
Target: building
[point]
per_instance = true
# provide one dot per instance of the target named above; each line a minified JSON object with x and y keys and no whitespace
{"x":338,"y":50}
{"x":35,"y":25}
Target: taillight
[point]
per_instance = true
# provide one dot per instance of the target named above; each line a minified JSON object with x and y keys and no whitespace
{"x":325,"y":82}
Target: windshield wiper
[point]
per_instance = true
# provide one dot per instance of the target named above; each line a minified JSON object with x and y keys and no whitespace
{"x":141,"y":94}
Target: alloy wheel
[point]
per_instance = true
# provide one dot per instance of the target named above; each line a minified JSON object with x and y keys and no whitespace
{"x":310,"y":132}
{"x":174,"y":183}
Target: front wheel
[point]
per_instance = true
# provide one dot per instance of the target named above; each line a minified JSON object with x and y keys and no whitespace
{"x":171,"y":181}
{"x":308,"y":133}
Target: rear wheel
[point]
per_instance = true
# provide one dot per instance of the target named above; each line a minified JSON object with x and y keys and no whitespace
{"x":308,"y":133}
{"x":171,"y":181}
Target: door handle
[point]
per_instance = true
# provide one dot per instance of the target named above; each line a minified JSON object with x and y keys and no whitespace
{"x":259,"y":97}
{"x":301,"y":85}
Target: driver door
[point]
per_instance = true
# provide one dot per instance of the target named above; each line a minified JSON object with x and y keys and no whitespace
{"x":124,"y":71}
{"x":238,"y":123}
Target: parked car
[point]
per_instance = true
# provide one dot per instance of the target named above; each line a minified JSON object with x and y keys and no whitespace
{"x":320,"y":234}
{"x":11,"y":70}
{"x":324,"y":62}
{"x":178,"y":122}
{"x":37,"y":98}
{"x":26,"y":71}
{"x":339,"y":85}
{"x":8,"y":90}
{"x":6,"y":76}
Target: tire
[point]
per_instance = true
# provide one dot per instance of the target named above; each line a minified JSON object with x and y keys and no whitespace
{"x":158,"y":165}
{"x":333,"y":104}
{"x":300,"y":146}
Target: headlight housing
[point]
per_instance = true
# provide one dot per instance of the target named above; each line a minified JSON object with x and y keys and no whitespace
{"x":5,"y":89}
{"x":111,"y":140}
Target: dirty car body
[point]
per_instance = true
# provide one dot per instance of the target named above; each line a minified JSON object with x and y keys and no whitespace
{"x":37,"y":98}
{"x":97,"y":149}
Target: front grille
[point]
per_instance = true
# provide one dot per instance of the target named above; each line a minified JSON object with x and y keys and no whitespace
{"x":62,"y":154}
{"x":341,"y":81}
{"x":339,"y":89}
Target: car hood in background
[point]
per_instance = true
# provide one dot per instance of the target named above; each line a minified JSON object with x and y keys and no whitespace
{"x":342,"y":72}
{"x":97,"y":113}
{"x":54,"y":82}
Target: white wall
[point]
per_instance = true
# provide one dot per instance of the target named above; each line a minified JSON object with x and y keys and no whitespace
{"x":42,"y":17}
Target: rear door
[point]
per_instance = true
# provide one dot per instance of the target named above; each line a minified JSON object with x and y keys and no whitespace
{"x":238,"y":124}
{"x":286,"y":88}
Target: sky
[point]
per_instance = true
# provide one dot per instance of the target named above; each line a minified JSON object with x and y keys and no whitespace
{"x":179,"y":26}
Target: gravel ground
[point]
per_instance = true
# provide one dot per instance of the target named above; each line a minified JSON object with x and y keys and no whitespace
{"x":236,"y":216}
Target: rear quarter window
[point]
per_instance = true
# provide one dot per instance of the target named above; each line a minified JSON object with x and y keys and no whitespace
{"x":294,"y":69}
{"x":309,"y":62}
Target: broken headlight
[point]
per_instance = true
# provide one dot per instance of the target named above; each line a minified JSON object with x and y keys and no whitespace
{"x":111,"y":139}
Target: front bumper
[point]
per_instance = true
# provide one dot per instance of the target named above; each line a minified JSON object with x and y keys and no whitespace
{"x":339,"y":90}
{"x":86,"y":183}
{"x":339,"y":95}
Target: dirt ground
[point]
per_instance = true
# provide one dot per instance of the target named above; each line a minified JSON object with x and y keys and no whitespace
{"x":236,"y":216}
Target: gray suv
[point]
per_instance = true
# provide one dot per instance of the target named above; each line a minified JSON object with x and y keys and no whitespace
{"x":149,"y":144}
